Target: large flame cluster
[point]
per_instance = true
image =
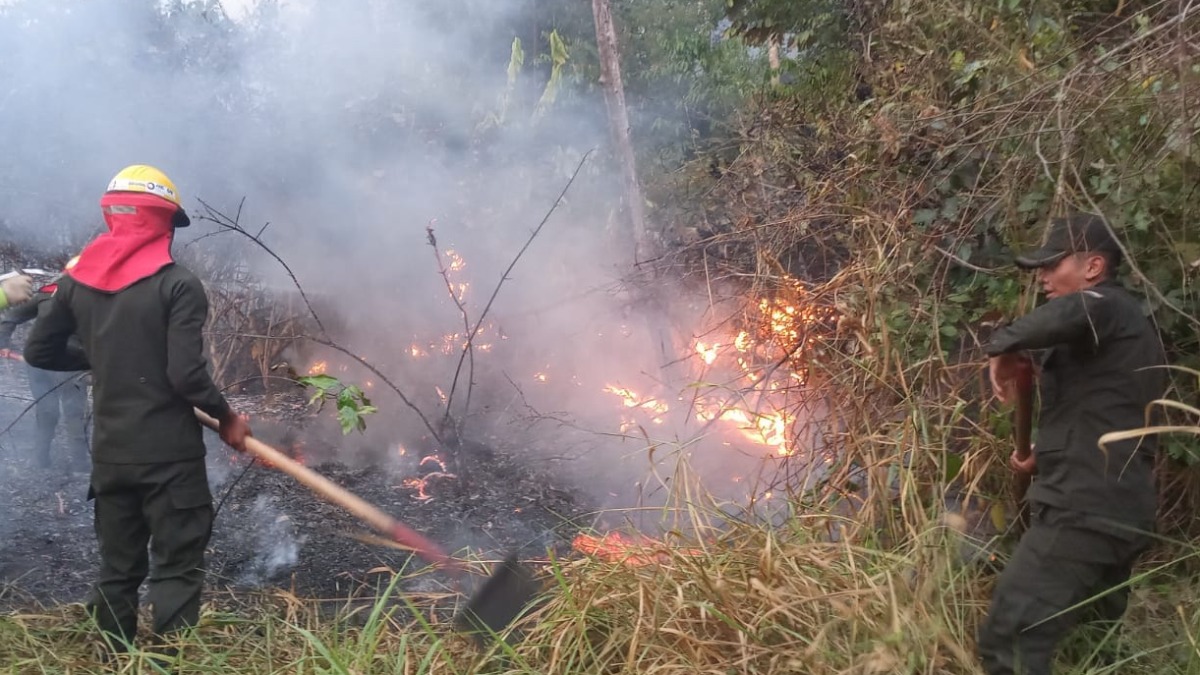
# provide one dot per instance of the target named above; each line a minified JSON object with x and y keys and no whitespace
{"x":760,"y":363}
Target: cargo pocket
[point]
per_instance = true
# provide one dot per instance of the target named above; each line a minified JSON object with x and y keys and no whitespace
{"x":1085,"y":546}
{"x":181,"y":527}
{"x":191,"y":495}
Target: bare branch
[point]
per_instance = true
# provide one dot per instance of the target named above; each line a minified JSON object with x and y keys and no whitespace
{"x":221,"y":220}
{"x":462,"y":310}
{"x":504,"y":277}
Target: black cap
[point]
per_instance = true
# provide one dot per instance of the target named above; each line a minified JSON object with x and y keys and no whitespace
{"x":1079,"y":233}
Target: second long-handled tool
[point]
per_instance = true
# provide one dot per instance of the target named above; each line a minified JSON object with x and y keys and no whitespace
{"x":1022,"y":435}
{"x":509,"y":590}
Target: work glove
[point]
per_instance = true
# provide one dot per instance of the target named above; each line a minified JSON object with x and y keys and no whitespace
{"x":16,"y":289}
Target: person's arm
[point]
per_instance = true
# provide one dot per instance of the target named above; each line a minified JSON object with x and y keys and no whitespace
{"x":1075,"y":318}
{"x":26,"y":311}
{"x":48,"y":346}
{"x":187,"y":369}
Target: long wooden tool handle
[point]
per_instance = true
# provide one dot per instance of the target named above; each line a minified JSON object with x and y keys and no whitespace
{"x":331,"y":492}
{"x":1023,"y":433}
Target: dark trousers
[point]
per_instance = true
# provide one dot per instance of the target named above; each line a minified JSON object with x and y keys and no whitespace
{"x":1062,"y":561}
{"x":56,"y":393}
{"x":169,"y":507}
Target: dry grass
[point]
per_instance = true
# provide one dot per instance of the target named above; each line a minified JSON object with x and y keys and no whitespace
{"x":756,"y":601}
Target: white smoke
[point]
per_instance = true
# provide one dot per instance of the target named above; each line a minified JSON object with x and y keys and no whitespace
{"x":351,"y":126}
{"x":276,"y":545}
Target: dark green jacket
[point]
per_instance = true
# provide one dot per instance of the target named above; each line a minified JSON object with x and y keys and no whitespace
{"x":145,"y":349}
{"x":1098,"y":375}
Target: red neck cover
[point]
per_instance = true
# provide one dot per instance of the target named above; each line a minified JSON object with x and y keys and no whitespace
{"x":137,"y":244}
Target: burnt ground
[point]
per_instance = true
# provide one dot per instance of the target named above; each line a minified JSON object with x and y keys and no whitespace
{"x":271,"y":533}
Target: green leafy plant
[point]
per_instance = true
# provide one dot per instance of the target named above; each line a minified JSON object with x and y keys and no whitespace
{"x":352,"y":403}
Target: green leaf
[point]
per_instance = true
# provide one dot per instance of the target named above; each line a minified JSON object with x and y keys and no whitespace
{"x":515,"y":61}
{"x":321,"y":382}
{"x":957,"y":59}
{"x":349,"y":419}
{"x":954,"y":464}
{"x":352,"y":403}
{"x":925,"y":216}
{"x":1031,"y":201}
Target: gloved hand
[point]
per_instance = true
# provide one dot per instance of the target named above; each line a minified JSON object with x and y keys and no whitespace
{"x":17,"y":289}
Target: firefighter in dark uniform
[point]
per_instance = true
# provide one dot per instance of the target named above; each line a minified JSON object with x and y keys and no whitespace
{"x":138,"y":316}
{"x":1099,"y":360}
{"x":57,"y":396}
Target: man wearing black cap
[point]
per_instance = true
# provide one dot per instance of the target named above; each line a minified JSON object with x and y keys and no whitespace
{"x":1098,"y":359}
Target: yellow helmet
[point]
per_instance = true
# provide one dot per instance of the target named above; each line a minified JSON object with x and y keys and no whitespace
{"x":145,"y":178}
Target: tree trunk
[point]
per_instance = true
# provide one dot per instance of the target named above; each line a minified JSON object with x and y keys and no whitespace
{"x":773,"y":58}
{"x":618,"y":118}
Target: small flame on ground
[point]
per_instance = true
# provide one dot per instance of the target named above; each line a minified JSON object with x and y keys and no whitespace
{"x":540,"y":377}
{"x":435,"y":459}
{"x":708,"y":352}
{"x":318,"y":368}
{"x":632,"y":550}
{"x":421,"y":484}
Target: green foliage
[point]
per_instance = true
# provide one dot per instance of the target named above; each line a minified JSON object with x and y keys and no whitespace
{"x":352,"y":404}
{"x":558,"y":59}
{"x":802,"y":25}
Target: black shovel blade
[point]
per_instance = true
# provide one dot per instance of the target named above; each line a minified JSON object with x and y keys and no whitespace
{"x":501,"y":599}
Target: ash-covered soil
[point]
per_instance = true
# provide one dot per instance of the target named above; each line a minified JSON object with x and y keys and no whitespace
{"x":270,"y":532}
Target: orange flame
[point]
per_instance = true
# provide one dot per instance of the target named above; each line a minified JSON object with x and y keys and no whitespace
{"x":421,"y":484}
{"x":632,"y":550}
{"x":318,"y":368}
{"x":650,"y":405}
{"x":767,"y":429}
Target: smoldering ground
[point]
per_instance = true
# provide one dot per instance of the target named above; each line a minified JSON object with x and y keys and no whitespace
{"x":346,"y":130}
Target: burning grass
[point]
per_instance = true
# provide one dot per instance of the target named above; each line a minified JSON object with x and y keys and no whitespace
{"x":757,"y":601}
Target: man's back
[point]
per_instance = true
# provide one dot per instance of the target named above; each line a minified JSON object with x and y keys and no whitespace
{"x":144,"y":345}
